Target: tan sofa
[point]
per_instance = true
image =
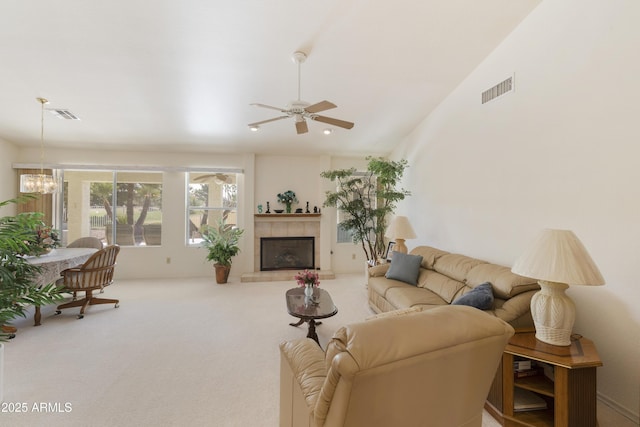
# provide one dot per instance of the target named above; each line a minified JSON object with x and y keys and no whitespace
{"x":443,"y":277}
{"x":403,"y":368}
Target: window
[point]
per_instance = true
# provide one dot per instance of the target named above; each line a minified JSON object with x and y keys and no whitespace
{"x":211,"y":196}
{"x":359,"y":183}
{"x":129,"y":216}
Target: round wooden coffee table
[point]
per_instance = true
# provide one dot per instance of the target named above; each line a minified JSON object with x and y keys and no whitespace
{"x":309,"y":309}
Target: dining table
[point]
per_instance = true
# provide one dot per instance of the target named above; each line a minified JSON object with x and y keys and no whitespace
{"x":52,"y":264}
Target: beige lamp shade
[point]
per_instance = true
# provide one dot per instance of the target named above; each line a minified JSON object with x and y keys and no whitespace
{"x":556,"y":258}
{"x":399,"y":230}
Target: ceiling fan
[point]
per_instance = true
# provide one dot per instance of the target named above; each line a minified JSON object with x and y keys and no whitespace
{"x":218,"y":178}
{"x":302,"y":110}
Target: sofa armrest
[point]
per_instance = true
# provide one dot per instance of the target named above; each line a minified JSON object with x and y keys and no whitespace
{"x":515,"y":307}
{"x":378,"y":270}
{"x":302,"y":374}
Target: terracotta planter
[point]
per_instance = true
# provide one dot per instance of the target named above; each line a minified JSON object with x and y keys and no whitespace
{"x":222,"y":273}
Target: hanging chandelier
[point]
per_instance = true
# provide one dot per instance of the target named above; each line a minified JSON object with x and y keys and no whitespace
{"x":39,"y":183}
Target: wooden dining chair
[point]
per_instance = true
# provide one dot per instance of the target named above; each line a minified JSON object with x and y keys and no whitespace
{"x":86,"y":242}
{"x":95,"y":274}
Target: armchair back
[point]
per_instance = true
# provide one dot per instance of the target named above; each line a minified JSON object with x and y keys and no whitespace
{"x":432,"y":367}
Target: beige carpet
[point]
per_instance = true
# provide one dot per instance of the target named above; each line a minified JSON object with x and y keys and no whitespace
{"x":176,"y":353}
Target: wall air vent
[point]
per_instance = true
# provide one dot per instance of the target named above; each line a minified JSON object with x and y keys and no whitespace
{"x":498,"y":90}
{"x":63,"y":114}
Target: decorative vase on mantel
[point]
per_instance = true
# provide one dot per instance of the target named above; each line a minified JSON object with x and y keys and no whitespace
{"x":288,"y":208}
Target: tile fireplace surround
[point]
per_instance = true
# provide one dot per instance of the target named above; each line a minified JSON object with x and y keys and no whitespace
{"x":284,"y":225}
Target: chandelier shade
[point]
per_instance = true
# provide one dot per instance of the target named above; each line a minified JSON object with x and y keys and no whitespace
{"x":40,"y":183}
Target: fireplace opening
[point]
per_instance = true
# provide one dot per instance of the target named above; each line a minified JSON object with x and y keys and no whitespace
{"x":287,"y":253}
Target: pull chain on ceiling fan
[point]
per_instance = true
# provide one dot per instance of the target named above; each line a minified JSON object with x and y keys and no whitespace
{"x":301,"y":110}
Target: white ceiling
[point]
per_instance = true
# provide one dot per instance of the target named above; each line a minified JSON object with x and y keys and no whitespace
{"x":179,"y":75}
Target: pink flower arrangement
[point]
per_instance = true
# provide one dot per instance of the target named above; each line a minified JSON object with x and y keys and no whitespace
{"x":47,"y":238}
{"x":307,"y":278}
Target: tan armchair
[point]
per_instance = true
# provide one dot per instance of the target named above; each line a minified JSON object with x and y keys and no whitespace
{"x":417,"y":368}
{"x":95,"y":274}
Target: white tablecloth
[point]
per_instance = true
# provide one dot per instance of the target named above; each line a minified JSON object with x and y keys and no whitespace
{"x":60,"y":259}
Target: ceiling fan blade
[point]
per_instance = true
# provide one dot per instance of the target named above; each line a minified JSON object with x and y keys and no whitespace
{"x":320,"y":106}
{"x":301,"y":127}
{"x":267,"y":121}
{"x":332,"y":121}
{"x":218,"y":178}
{"x":268,"y":106}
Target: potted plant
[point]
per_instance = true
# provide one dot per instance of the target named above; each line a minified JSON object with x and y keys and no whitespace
{"x":367,"y":199}
{"x":19,"y":237}
{"x":222,"y":244}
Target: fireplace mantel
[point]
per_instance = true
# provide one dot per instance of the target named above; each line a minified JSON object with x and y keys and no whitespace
{"x":286,"y":225}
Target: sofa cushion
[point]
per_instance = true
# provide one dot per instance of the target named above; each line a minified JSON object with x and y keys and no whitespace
{"x":429,"y":255}
{"x":409,"y":296}
{"x":381,"y":285}
{"x":505,"y":283}
{"x":398,"y":312}
{"x":404,"y":267}
{"x":456,"y":266}
{"x":479,"y":297}
{"x":443,"y":286}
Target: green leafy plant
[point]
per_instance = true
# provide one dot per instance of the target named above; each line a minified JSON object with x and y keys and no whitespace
{"x":18,"y":235}
{"x":367,"y":199}
{"x":287,"y":198}
{"x":222,"y":242}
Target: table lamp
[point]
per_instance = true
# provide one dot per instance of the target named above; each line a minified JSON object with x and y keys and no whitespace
{"x":556,"y":259}
{"x":399,"y":230}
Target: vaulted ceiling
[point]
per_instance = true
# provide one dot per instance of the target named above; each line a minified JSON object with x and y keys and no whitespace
{"x":181,"y":75}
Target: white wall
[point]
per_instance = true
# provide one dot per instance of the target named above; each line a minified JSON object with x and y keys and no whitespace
{"x":8,"y":152}
{"x":560,"y":152}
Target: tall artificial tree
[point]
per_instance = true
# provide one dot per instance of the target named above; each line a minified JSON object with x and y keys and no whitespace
{"x":367,"y":199}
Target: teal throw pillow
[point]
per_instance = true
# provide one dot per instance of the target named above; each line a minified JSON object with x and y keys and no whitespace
{"x":480,"y":297}
{"x":405,"y":268}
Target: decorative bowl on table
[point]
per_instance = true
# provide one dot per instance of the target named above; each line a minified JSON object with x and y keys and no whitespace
{"x":278,"y":210}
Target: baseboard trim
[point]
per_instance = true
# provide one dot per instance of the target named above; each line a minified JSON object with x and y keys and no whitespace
{"x":281,"y":276}
{"x":621,"y":410}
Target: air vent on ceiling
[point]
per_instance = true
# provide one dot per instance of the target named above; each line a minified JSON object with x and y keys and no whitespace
{"x":500,"y":89}
{"x":63,"y":114}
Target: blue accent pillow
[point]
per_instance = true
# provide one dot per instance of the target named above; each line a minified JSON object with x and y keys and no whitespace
{"x":405,"y":268}
{"x":480,"y":297}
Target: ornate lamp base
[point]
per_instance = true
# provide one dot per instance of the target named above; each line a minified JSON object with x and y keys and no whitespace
{"x":400,"y":246}
{"x":553,"y":313}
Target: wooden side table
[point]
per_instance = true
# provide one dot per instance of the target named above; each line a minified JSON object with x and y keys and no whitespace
{"x":570,"y":393}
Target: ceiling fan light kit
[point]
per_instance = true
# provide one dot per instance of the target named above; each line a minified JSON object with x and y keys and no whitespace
{"x":301,"y":110}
